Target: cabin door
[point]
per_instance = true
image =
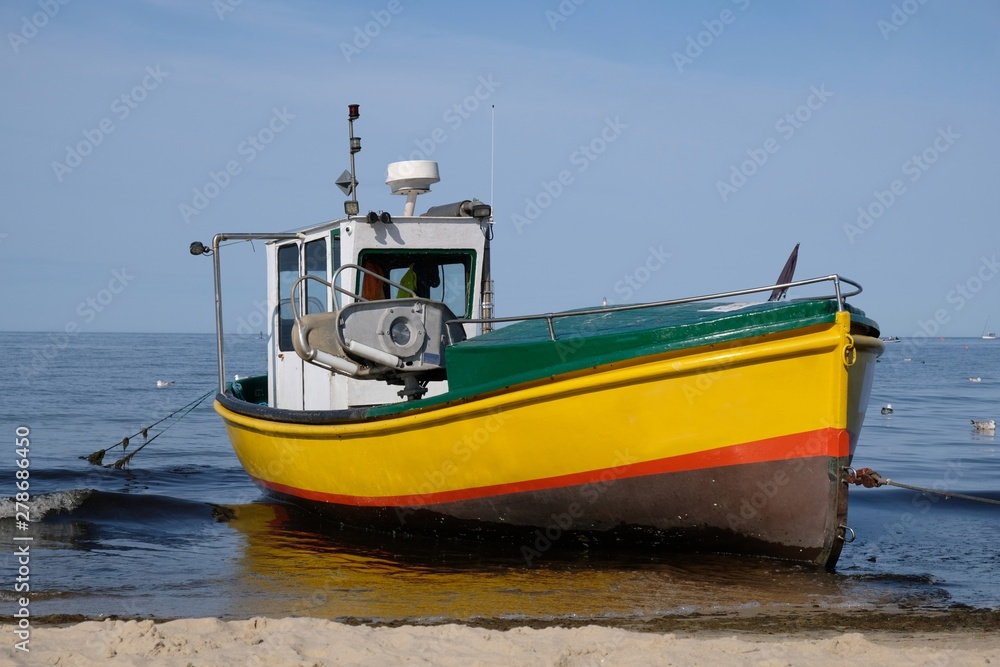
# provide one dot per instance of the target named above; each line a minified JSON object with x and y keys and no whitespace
{"x":316,"y":299}
{"x":299,"y":385}
{"x":287,"y":364}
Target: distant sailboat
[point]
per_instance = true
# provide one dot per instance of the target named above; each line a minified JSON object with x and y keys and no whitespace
{"x":988,"y":335}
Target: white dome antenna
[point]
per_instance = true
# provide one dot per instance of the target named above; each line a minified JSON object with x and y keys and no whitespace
{"x":412,"y":178}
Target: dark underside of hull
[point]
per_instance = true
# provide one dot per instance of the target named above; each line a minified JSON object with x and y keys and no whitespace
{"x":784,"y":509}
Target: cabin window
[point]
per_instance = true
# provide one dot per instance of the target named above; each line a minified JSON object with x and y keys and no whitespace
{"x":288,"y":273}
{"x":439,"y":275}
{"x":316,"y":293}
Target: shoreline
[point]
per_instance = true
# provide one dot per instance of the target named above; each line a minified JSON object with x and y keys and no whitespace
{"x":954,"y":637}
{"x":793,"y":620}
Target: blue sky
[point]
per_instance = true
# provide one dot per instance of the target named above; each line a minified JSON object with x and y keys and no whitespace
{"x":644,"y":150}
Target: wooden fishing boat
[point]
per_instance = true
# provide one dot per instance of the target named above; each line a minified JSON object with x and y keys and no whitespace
{"x":394,"y":401}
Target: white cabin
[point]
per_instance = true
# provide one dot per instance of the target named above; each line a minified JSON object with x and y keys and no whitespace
{"x":440,"y":254}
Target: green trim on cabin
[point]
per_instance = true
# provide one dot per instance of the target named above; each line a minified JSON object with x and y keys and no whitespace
{"x":523,"y":352}
{"x":336,"y":248}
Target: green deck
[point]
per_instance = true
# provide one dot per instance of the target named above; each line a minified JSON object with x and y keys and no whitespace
{"x":523,"y":352}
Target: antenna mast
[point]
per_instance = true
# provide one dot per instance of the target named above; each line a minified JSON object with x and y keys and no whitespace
{"x":487,"y":285}
{"x":351,"y":206}
{"x":493,"y":144}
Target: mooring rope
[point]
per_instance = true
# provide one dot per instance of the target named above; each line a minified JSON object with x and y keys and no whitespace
{"x":97,"y":458}
{"x":869,"y":479}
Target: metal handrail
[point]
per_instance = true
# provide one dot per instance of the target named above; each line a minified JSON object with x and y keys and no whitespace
{"x":217,"y":276}
{"x":334,"y":307}
{"x":550,"y":317}
{"x":332,"y":284}
{"x":218,"y":239}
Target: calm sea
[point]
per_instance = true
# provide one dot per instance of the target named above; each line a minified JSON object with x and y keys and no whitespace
{"x":181,"y":531}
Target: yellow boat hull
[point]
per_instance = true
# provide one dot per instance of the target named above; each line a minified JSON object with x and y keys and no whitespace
{"x":732,"y":447}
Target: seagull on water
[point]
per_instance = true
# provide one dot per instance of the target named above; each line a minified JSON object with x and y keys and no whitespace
{"x":887,"y":410}
{"x":164,"y":383}
{"x":990,"y":425}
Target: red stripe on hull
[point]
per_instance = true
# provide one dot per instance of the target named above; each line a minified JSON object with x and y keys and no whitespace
{"x":829,"y":442}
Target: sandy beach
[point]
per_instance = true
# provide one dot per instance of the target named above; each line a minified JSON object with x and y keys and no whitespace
{"x":309,"y":641}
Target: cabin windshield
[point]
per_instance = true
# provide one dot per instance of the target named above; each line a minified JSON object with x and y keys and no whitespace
{"x":438,"y":275}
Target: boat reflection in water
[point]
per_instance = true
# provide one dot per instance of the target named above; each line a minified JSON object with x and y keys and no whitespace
{"x":296,"y":563}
